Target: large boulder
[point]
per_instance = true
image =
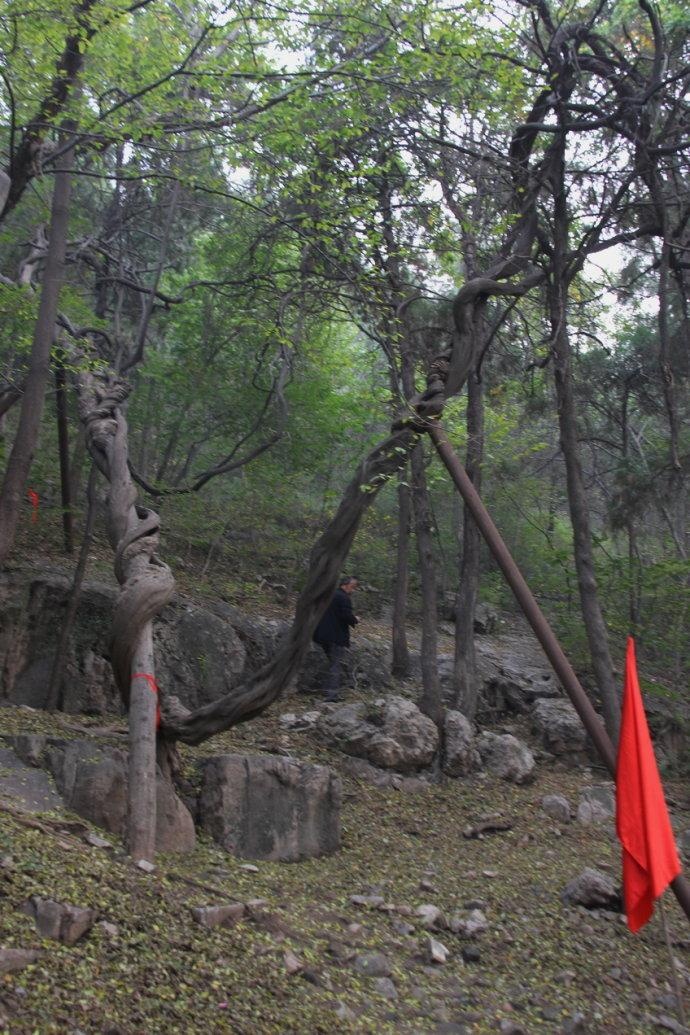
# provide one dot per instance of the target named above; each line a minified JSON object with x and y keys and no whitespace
{"x":392,"y":733}
{"x":460,"y":752}
{"x":92,"y":781}
{"x":560,"y":729}
{"x":506,"y":757}
{"x":270,"y":807}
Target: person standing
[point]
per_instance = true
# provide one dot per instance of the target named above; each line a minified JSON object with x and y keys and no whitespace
{"x":333,"y":633}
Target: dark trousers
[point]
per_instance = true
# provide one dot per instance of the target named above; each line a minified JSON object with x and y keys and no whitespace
{"x":335,"y":653}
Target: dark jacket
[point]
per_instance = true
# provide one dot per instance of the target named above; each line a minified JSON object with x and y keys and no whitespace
{"x":334,"y":627}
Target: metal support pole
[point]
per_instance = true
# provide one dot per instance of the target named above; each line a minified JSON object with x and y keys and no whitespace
{"x":542,"y":629}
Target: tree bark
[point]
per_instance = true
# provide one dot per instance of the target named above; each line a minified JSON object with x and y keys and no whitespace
{"x":54,"y":696}
{"x":63,"y":453}
{"x":430,"y":701}
{"x":29,"y":426}
{"x":557,"y":295}
{"x":465,"y":669}
{"x":400,"y":666}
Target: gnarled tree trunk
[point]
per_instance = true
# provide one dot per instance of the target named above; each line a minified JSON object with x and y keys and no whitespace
{"x":146,"y":584}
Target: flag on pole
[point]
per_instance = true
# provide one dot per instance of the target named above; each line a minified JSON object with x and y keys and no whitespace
{"x":650,"y":857}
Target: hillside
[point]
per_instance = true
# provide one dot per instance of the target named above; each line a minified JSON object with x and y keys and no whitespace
{"x":304,"y":958}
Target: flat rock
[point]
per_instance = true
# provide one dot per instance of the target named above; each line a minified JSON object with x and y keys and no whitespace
{"x":12,"y":960}
{"x":219,"y":916}
{"x":28,"y":788}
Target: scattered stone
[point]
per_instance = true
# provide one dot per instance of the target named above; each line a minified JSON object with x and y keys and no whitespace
{"x":426,"y":885}
{"x":145,"y":865}
{"x":510,"y":1027}
{"x":270,"y":807}
{"x":430,"y":915}
{"x":506,"y":757}
{"x":402,"y":928}
{"x":476,"y":923}
{"x":489,"y":826}
{"x":557,"y":807}
{"x":96,"y":841}
{"x":597,"y":804}
{"x":471,"y":954}
{"x":299,"y":723}
{"x":293,"y":965}
{"x":575,"y":1025}
{"x":460,"y":753}
{"x":368,"y":901}
{"x":385,"y":987}
{"x":219,"y":916}
{"x":109,"y":930}
{"x":344,"y":1013}
{"x":58,"y":920}
{"x":436,"y":952}
{"x":12,"y":960}
{"x":249,"y":867}
{"x":373,"y":964}
{"x":671,"y":1024}
{"x":593,"y":890}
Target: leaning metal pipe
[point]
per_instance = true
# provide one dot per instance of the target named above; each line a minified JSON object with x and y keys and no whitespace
{"x":536,"y":619}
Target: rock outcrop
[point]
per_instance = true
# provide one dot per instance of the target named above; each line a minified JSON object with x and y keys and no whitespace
{"x":392,"y":733}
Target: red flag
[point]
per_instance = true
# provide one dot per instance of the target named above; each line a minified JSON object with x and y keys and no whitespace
{"x":650,"y":858}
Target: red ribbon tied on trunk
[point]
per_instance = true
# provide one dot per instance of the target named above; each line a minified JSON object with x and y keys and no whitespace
{"x":153,"y":687}
{"x":34,"y":500}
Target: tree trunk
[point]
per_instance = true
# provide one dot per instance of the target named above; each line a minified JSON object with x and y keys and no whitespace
{"x":400,"y":666}
{"x":595,"y":627}
{"x":54,"y":696}
{"x":29,"y":426}
{"x":465,"y":669}
{"x":63,"y":453}
{"x":146,"y":584}
{"x":76,"y":464}
{"x":430,"y":701}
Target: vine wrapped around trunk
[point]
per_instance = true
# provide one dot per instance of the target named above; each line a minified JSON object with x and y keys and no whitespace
{"x":146,"y":585}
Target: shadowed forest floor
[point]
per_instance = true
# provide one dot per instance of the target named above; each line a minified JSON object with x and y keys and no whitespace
{"x":541,"y":966}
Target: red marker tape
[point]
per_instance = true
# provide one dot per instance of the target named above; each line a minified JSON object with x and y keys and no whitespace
{"x":153,"y":686}
{"x":34,"y":500}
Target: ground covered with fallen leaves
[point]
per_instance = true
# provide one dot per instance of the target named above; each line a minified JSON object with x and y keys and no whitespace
{"x":291,"y":965}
